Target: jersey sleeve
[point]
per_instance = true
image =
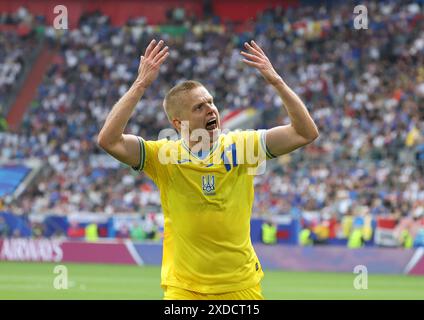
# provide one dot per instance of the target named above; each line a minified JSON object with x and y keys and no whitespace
{"x":262,"y":142}
{"x":149,"y":161}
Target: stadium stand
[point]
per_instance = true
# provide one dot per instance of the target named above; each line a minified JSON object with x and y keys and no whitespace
{"x":365,"y":93}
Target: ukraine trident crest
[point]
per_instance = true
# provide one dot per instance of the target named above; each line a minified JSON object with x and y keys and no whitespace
{"x":208,"y":184}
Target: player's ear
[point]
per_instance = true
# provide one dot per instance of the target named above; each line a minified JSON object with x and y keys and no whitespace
{"x":176,"y":124}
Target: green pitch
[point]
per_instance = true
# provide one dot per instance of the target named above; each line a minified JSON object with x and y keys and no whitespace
{"x":85,"y":281}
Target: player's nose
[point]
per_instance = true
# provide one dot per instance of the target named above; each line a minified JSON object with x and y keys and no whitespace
{"x":209,"y":109}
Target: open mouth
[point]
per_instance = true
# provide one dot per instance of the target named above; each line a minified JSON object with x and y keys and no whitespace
{"x":211,"y":125}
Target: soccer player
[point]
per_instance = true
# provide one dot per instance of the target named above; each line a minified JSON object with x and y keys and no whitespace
{"x":205,"y":178}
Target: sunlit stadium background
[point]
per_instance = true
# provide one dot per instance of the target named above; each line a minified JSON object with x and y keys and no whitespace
{"x":348,"y":209}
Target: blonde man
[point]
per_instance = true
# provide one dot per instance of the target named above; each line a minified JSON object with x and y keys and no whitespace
{"x":205,"y":178}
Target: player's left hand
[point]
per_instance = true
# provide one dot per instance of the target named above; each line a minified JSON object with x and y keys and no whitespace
{"x":258,"y":59}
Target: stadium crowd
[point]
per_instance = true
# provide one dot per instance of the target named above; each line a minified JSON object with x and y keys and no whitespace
{"x":18,"y":40}
{"x":365,"y":90}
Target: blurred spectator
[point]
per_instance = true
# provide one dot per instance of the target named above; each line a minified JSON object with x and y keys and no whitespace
{"x":355,"y":239}
{"x":37,"y":229}
{"x":75,"y":231}
{"x":4,"y":228}
{"x":91,"y":232}
{"x":406,"y":239}
{"x":321,"y":233}
{"x":269,"y":232}
{"x":419,"y":155}
{"x":137,"y":232}
{"x":150,"y":227}
{"x":306,"y":237}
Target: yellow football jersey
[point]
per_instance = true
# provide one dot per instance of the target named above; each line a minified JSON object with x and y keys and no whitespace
{"x":207,"y":205}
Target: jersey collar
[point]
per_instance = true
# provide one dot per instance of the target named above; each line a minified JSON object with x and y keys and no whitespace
{"x":196,"y":155}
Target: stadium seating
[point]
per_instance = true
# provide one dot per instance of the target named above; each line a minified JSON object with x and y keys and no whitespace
{"x":364,"y":90}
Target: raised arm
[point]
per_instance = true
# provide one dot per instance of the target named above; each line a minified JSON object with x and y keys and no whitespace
{"x":125,"y":147}
{"x":302,"y":130}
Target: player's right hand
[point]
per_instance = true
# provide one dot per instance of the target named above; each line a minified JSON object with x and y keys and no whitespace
{"x":150,"y":63}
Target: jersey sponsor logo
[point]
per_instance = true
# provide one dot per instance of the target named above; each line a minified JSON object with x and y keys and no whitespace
{"x":208,"y":184}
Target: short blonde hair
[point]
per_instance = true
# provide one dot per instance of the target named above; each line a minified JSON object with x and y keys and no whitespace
{"x":172,"y":101}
